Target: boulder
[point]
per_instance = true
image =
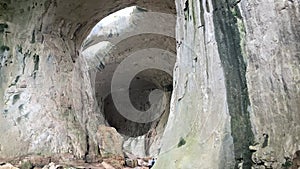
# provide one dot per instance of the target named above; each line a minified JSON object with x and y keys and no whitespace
{"x":109,"y":141}
{"x":7,"y":166}
{"x":131,"y":163}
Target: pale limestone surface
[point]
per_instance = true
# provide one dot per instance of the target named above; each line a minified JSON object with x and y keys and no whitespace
{"x":109,"y":141}
{"x":236,"y":81}
{"x":48,"y":105}
{"x":268,"y":33}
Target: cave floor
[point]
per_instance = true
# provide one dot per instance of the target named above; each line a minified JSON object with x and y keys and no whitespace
{"x":39,"y":162}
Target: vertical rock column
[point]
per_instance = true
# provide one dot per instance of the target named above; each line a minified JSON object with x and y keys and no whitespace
{"x":198,"y":133}
{"x":273,"y":76}
{"x":229,"y":32}
{"x":238,"y":60}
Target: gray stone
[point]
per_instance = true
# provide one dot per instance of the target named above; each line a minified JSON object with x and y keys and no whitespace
{"x":235,"y":82}
{"x":110,"y":142}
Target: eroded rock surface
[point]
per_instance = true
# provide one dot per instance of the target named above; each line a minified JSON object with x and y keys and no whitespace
{"x":48,"y":104}
{"x":110,"y":142}
{"x":236,"y":85}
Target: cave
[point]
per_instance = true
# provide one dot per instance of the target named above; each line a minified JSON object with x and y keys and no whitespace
{"x":197,"y":84}
{"x":147,"y":60}
{"x":139,"y":92}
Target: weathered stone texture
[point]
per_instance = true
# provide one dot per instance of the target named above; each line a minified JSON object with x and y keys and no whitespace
{"x":272,"y":42}
{"x":236,"y":94}
{"x":110,"y":142}
{"x":256,"y":44}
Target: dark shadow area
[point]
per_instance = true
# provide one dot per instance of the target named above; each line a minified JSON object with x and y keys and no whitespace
{"x":140,"y":88}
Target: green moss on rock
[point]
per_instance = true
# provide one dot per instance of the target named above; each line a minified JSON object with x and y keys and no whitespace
{"x":3,"y":26}
{"x":26,"y":165}
{"x":229,"y":32}
{"x":181,"y":142}
{"x":4,"y":48}
{"x":288,"y":163}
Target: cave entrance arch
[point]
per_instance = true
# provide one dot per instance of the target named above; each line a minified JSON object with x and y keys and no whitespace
{"x":131,"y":29}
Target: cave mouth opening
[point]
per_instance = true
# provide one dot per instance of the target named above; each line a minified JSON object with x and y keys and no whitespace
{"x":140,"y":89}
{"x":103,"y":56}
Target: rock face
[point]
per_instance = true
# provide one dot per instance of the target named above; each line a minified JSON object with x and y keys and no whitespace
{"x":110,"y":142}
{"x":239,"y":74}
{"x":7,"y":166}
{"x":103,"y":54}
{"x":236,"y":82}
{"x":273,"y":77}
{"x":48,"y":103}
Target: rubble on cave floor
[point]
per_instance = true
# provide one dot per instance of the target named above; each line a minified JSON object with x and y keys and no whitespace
{"x":37,"y":162}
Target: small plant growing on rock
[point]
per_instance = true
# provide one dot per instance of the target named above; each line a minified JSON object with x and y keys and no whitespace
{"x":3,"y":26}
{"x":26,"y":165}
{"x":4,"y":48}
{"x":181,"y":142}
{"x":16,"y":98}
{"x":288,"y":163}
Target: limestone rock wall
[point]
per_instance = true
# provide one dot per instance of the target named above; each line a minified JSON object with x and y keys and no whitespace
{"x":272,"y":50}
{"x":199,"y":107}
{"x":42,"y":111}
{"x":236,"y":81}
{"x":237,"y":76}
{"x":36,"y":100}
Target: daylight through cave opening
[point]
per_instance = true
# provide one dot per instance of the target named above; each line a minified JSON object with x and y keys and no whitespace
{"x":116,"y":39}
